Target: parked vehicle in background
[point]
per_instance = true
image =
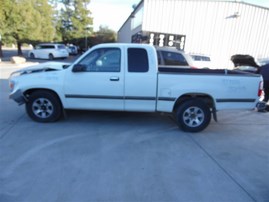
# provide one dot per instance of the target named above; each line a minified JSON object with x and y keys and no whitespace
{"x":245,"y":63}
{"x":72,"y":50}
{"x":173,"y":58}
{"x":49,"y":51}
{"x":247,"y":68}
{"x":201,"y":61}
{"x":263,"y":61}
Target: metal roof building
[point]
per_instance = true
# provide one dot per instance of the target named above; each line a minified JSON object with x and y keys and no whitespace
{"x":219,"y":29}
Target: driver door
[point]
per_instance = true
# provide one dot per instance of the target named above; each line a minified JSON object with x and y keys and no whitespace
{"x":99,"y":84}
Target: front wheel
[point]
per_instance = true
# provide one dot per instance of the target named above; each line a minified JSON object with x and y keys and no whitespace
{"x":43,"y":106}
{"x":193,"y":115}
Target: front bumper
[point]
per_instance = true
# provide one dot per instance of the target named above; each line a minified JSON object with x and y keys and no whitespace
{"x":18,"y":97}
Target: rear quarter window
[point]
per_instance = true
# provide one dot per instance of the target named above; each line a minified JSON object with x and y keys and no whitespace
{"x":137,"y":60}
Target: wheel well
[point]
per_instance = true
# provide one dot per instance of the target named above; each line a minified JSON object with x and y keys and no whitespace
{"x":30,"y":91}
{"x":207,"y":99}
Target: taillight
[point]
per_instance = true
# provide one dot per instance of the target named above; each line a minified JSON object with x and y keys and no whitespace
{"x":260,"y":89}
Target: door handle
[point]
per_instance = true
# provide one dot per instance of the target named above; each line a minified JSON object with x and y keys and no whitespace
{"x":114,"y":78}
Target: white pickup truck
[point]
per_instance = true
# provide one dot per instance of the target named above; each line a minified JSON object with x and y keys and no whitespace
{"x":126,"y":77}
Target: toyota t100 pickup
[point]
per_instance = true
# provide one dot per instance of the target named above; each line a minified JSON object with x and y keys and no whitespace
{"x":126,"y":77}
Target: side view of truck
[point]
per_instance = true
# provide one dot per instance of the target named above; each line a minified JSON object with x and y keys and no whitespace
{"x":126,"y":77}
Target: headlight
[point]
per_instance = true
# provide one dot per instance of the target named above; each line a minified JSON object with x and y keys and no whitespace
{"x":12,"y":79}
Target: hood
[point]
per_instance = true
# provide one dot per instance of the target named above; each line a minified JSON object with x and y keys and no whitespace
{"x":43,"y":67}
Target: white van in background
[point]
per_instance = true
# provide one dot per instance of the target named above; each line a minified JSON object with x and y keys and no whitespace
{"x":49,"y":51}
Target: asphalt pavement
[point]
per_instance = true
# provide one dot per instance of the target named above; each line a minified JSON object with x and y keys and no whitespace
{"x":116,"y":156}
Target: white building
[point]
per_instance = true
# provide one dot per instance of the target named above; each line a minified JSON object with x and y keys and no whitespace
{"x":219,"y":29}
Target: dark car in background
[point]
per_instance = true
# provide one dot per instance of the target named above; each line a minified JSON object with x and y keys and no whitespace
{"x":245,"y":63}
{"x":72,"y":49}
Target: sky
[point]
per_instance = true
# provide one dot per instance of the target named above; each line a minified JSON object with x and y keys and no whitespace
{"x":264,"y":3}
{"x":113,"y":13}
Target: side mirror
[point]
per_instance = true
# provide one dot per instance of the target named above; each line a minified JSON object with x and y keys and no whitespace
{"x":79,"y":68}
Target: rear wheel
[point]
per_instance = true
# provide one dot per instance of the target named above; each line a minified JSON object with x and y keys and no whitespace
{"x":193,"y":115}
{"x":44,"y":106}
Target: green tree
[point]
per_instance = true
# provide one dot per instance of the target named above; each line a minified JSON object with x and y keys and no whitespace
{"x":105,"y":34}
{"x":5,"y":4}
{"x":26,"y":20}
{"x":74,"y":21}
{"x":46,"y":29}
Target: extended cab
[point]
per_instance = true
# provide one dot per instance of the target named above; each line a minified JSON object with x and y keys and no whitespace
{"x":126,"y":77}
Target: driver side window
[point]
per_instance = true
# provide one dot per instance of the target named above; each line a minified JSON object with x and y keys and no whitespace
{"x":102,"y":60}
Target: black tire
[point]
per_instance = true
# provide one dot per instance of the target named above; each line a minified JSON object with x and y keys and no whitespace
{"x":32,"y":55}
{"x":193,"y":115}
{"x":44,"y":106}
{"x":51,"y":57}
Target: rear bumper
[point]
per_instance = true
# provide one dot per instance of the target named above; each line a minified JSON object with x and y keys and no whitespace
{"x":18,"y":97}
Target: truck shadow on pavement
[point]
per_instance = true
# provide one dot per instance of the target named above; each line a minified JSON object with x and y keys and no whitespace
{"x":115,"y":119}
